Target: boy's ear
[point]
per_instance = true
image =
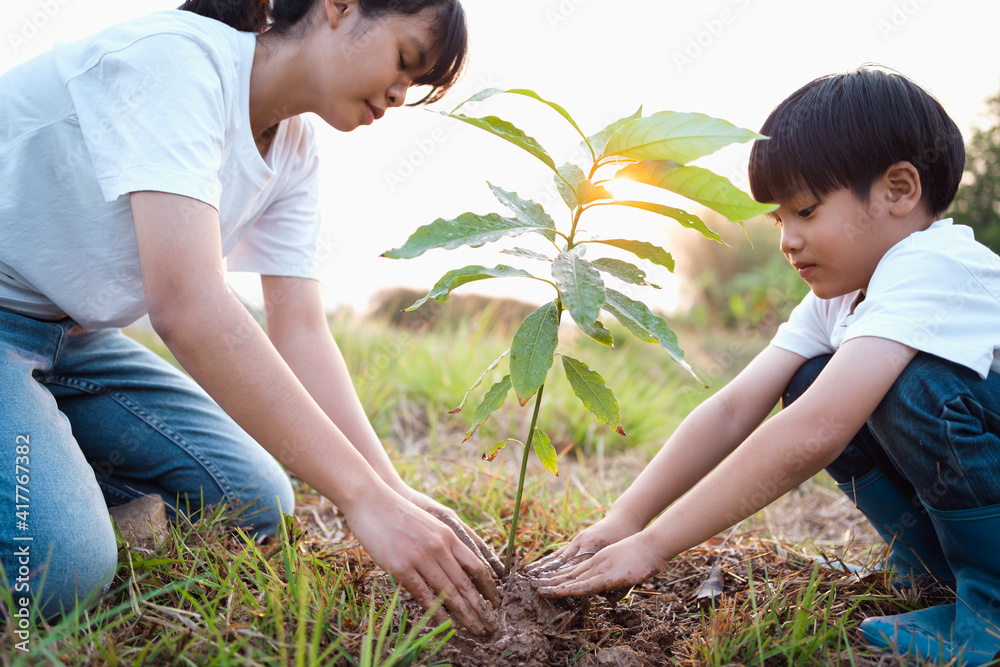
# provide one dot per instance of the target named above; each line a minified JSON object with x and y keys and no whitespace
{"x":338,"y":10}
{"x":902,"y":190}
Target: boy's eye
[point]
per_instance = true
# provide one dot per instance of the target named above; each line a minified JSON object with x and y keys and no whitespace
{"x":777,"y":221}
{"x":806,"y":212}
{"x":402,"y":63}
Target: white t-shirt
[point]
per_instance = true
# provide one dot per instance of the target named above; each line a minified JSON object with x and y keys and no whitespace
{"x":158,"y":103}
{"x":937,"y":291}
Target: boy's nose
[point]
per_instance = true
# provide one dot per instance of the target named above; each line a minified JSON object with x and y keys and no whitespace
{"x":790,"y":242}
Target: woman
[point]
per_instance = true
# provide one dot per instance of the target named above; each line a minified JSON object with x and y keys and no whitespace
{"x":132,"y":162}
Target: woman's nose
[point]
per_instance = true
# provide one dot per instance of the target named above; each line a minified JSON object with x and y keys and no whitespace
{"x":397,"y":93}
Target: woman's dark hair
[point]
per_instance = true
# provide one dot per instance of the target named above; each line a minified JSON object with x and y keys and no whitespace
{"x":846,"y":130}
{"x":282,"y":15}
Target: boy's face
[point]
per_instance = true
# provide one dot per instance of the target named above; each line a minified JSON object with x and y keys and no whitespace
{"x":835,"y":242}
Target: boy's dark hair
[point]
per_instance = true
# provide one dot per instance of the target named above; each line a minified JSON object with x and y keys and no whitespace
{"x":282,"y":16}
{"x":846,"y":130}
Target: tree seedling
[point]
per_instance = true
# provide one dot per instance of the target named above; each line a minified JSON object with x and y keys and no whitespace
{"x":655,"y":150}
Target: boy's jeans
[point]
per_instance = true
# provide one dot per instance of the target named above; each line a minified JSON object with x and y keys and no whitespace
{"x":937,"y":432}
{"x":92,"y":419}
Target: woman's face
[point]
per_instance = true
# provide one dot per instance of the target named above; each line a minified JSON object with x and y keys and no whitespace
{"x":365,"y":65}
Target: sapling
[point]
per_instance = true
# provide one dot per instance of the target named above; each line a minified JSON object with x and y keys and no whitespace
{"x":655,"y":150}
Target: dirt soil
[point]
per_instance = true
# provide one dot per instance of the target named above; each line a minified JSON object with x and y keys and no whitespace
{"x":526,"y":623}
{"x":660,"y":622}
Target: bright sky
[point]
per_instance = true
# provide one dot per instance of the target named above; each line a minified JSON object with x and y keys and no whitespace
{"x":735,"y":59}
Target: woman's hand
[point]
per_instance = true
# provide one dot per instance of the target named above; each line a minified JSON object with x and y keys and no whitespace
{"x":614,"y":568}
{"x":607,"y":531}
{"x":428,"y":559}
{"x":451,"y":519}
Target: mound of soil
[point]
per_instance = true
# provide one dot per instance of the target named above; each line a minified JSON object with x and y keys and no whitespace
{"x":537,"y":632}
{"x":526,"y":623}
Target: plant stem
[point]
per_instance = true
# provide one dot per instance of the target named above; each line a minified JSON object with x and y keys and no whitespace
{"x":520,"y":481}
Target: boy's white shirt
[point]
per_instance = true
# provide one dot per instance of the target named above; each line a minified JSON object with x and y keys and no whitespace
{"x":937,"y":291}
{"x":159,"y":103}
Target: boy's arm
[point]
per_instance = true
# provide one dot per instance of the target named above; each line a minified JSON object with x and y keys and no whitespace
{"x":706,"y":436}
{"x":297,"y":326}
{"x":785,"y":451}
{"x":216,"y":340}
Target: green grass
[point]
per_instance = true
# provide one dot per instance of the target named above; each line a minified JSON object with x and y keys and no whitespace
{"x":211,"y":596}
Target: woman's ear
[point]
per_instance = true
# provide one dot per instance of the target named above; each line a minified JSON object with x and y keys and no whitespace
{"x":338,"y":10}
{"x":902,"y":188}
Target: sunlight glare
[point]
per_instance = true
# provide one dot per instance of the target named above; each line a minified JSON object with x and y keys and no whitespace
{"x":624,"y":190}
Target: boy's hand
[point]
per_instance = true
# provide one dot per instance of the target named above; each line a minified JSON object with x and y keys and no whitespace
{"x":428,"y":559}
{"x":609,"y":530}
{"x":617,"y":567}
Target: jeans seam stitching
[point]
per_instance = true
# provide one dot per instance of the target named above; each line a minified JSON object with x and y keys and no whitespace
{"x":154,"y":423}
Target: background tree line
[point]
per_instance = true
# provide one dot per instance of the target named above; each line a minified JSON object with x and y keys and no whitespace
{"x":978,"y":201}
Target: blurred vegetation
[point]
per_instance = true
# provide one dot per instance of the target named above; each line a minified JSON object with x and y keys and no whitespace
{"x":411,"y":369}
{"x":745,"y":286}
{"x":411,"y":373}
{"x":977,"y":203}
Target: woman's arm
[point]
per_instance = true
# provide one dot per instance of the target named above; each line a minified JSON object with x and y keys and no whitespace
{"x":297,"y":326}
{"x":706,"y":436}
{"x":217,"y":341}
{"x":785,"y":451}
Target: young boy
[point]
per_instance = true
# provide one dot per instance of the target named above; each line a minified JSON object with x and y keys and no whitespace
{"x":892,"y":361}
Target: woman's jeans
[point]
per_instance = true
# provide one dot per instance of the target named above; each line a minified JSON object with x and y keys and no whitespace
{"x":936,"y":434}
{"x":91,"y":419}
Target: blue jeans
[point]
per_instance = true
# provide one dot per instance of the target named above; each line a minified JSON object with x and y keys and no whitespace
{"x":935,"y":435}
{"x":91,"y":419}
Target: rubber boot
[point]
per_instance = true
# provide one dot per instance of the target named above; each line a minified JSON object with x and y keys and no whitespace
{"x":968,"y":630}
{"x":914,"y":547}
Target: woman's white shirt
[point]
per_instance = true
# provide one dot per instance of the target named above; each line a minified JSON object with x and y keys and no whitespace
{"x":158,"y":103}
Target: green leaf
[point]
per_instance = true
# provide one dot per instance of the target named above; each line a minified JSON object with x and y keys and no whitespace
{"x":587,"y":192}
{"x":509,"y":132}
{"x":601,"y":334}
{"x":478,"y":97}
{"x":590,"y":388}
{"x":580,"y":287}
{"x":492,"y":400}
{"x":467,"y":229}
{"x":561,"y":111}
{"x":545,"y":452}
{"x":524,"y":252}
{"x":490,"y":92}
{"x":458,"y":277}
{"x":568,"y":177}
{"x":697,"y":184}
{"x":671,"y":135}
{"x":641,"y":249}
{"x":495,"y":449}
{"x":644,"y":325}
{"x":624,"y":271}
{"x":527,"y":211}
{"x":533,"y":349}
{"x":582,"y":190}
{"x":600,"y":139}
{"x":680,"y":215}
{"x":479,"y":381}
